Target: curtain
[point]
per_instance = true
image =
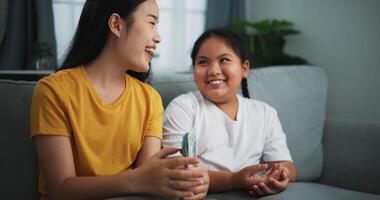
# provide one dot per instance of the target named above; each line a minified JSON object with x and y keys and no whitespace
{"x":221,"y":13}
{"x":26,"y":26}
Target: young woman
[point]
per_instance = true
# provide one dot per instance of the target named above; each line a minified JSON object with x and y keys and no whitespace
{"x":240,"y":140}
{"x":97,"y":129}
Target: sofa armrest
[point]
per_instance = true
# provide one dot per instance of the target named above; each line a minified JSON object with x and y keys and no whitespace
{"x":351,"y":158}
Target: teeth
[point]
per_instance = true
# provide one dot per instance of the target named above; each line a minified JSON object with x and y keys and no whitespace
{"x":150,"y":50}
{"x":215,"y":81}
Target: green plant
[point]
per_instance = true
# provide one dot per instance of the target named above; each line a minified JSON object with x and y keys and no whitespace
{"x":266,"y":41}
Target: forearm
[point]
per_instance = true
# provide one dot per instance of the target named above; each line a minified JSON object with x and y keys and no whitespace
{"x":98,"y":187}
{"x":221,"y":181}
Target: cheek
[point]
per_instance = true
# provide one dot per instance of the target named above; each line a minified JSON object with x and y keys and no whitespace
{"x":198,"y":75}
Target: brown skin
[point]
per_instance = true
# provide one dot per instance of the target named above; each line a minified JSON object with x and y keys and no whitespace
{"x":274,"y":181}
{"x":122,"y":52}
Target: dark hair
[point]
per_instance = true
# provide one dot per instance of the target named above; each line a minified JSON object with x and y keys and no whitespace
{"x":92,"y":31}
{"x":232,"y":40}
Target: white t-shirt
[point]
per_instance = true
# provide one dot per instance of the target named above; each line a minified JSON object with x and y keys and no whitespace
{"x":224,"y":144}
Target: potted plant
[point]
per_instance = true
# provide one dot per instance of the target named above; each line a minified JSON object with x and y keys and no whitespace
{"x":266,"y":41}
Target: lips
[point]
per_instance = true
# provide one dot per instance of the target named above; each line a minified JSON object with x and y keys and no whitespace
{"x":149,"y":51}
{"x":216,"y":81}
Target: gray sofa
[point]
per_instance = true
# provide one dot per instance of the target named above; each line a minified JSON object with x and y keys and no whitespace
{"x":335,"y":158}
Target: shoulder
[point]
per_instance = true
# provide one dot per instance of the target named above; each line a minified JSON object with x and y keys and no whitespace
{"x":142,"y":88}
{"x":60,"y":78}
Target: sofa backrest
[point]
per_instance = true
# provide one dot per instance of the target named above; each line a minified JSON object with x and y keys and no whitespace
{"x":299,"y":95}
{"x":19,"y":176}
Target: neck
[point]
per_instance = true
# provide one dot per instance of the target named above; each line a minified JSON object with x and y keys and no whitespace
{"x":105,"y":70}
{"x":230,"y":108}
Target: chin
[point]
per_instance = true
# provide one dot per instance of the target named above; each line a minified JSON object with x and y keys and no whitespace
{"x":141,"y":68}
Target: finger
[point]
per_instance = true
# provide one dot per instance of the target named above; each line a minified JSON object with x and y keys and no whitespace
{"x":257,"y":191}
{"x":185,"y":185}
{"x":266,"y":189}
{"x":279,"y":185}
{"x":197,"y":196}
{"x":253,"y":169}
{"x":285,"y":173}
{"x":199,"y":192}
{"x":165,"y":152}
{"x":274,"y":166}
{"x":181,"y":161}
{"x":275,"y":174}
{"x":184,"y":174}
{"x":179,"y":193}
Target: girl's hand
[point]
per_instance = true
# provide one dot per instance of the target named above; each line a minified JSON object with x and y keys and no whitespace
{"x":200,"y":191}
{"x":246,"y":178}
{"x":274,"y":184}
{"x":163,"y":177}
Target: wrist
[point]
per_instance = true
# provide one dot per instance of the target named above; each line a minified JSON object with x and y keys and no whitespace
{"x":130,"y":182}
{"x":235,"y":180}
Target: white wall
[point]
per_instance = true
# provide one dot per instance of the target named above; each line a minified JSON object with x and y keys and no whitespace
{"x":341,"y":36}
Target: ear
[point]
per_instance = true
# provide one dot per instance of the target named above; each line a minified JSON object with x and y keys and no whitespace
{"x":245,"y":66}
{"x":115,"y":24}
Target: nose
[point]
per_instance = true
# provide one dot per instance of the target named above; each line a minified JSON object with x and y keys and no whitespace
{"x":157,"y":37}
{"x":214,"y":69}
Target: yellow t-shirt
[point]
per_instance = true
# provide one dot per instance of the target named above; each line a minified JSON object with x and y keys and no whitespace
{"x":106,"y":138}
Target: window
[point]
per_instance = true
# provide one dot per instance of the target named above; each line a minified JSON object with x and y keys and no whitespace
{"x":66,"y":17}
{"x":181,"y":22}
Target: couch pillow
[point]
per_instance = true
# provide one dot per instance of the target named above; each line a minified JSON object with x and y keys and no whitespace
{"x":299,"y":95}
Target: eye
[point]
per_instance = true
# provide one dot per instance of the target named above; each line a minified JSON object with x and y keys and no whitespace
{"x":224,"y":60}
{"x":152,"y":23}
{"x":202,"y":62}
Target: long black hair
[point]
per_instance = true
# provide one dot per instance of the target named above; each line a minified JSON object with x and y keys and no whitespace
{"x":232,"y":40}
{"x":92,"y":31}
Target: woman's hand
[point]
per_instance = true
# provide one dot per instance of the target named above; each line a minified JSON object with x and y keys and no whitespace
{"x":277,"y":182}
{"x":201,"y":190}
{"x":247,"y":177}
{"x":164,"y":177}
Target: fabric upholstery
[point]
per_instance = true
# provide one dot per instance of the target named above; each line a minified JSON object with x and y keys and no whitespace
{"x":351,"y":159}
{"x":299,"y":95}
{"x":18,"y":158}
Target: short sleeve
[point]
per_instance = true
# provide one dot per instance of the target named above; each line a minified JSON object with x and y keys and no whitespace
{"x":155,"y":123}
{"x":48,"y":115}
{"x":275,"y":147}
{"x":178,"y":119}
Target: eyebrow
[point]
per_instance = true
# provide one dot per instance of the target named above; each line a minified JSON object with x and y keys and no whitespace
{"x":225,"y":54}
{"x":153,"y":16}
{"x":222,"y":55}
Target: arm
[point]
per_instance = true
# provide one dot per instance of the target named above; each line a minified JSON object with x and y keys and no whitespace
{"x":57,"y":165}
{"x":151,"y":146}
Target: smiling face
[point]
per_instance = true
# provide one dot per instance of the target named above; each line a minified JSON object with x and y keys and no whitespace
{"x":218,"y":71}
{"x":138,"y":41}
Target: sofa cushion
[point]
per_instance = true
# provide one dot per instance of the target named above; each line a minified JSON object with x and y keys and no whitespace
{"x":314,"y":191}
{"x":300,"y":191}
{"x":172,"y":85}
{"x":299,"y":95}
{"x":18,"y":159}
